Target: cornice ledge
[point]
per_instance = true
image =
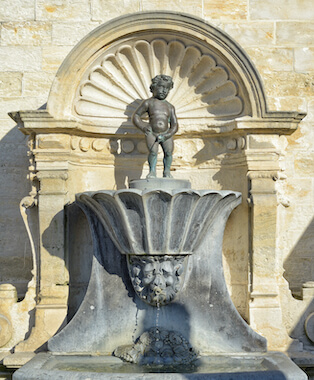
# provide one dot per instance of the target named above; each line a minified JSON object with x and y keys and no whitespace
{"x":271,"y":122}
{"x":40,"y":121}
{"x":31,"y":115}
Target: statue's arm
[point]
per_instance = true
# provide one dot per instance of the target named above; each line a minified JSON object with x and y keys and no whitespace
{"x":173,"y":121}
{"x":137,"y":117}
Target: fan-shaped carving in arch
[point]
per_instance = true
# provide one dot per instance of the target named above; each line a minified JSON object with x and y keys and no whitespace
{"x":121,"y":79}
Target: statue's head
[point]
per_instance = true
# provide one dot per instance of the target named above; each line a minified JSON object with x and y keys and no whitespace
{"x":161,"y":85}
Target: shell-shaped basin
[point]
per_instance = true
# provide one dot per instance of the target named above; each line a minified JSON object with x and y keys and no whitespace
{"x":157,"y":222}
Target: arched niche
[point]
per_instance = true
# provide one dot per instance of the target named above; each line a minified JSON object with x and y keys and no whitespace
{"x":112,"y":67}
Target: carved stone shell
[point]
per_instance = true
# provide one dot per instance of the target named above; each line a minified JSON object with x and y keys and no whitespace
{"x":119,"y":80}
{"x":157,"y":222}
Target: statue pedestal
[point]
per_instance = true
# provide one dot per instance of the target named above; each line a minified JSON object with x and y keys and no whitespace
{"x":165,"y":184}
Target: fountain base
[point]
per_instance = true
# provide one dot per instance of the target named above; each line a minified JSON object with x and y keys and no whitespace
{"x":158,"y":346}
{"x":272,"y":366}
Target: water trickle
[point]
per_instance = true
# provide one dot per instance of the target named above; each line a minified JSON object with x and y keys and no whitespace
{"x":135,"y":327}
{"x":157,"y":315}
{"x":158,"y":359}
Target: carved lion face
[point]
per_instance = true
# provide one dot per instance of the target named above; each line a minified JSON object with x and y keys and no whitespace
{"x":156,"y":279}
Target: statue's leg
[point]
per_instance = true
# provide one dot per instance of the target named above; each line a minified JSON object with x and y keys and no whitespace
{"x":167,"y":147}
{"x":152,"y":146}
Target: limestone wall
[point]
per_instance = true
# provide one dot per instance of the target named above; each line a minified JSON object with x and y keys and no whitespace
{"x":37,"y":35}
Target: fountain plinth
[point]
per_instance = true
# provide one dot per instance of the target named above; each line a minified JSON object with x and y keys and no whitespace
{"x":157,"y":298}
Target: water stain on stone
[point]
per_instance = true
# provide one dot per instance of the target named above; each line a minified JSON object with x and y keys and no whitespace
{"x":50,"y":8}
{"x":269,"y":35}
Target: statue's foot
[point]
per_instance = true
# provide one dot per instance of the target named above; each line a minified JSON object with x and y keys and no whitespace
{"x":151,"y":175}
{"x":167,"y":174}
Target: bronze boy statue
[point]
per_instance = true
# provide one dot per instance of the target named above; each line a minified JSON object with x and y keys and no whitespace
{"x":162,"y":123}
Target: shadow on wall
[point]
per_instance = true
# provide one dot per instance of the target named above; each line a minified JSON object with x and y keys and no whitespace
{"x":15,"y":256}
{"x":299,"y":269}
{"x":129,"y":160}
{"x":299,"y":266}
{"x":227,"y":176}
{"x":236,"y":237}
{"x":79,"y":255}
{"x":78,"y":252}
{"x":299,"y":332}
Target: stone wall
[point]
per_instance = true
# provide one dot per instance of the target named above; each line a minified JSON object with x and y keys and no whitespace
{"x":37,"y":35}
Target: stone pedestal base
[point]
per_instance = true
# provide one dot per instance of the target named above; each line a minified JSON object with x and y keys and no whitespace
{"x":160,"y":183}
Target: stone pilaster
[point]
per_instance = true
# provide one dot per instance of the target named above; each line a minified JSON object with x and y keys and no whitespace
{"x":51,"y":308}
{"x":265,"y":310}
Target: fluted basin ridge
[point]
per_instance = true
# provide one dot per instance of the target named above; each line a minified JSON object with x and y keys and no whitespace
{"x":157,"y":222}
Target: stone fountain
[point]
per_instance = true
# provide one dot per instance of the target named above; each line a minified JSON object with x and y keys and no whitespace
{"x":161,"y":304}
{"x":157,"y":305}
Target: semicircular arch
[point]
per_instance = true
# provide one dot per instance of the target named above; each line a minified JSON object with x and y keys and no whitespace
{"x":104,"y":77}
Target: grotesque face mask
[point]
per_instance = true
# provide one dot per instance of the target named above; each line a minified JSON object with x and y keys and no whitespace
{"x":156,"y":279}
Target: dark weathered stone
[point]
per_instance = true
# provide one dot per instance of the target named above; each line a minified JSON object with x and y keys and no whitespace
{"x":158,"y":346}
{"x":112,"y":314}
{"x":157,"y":279}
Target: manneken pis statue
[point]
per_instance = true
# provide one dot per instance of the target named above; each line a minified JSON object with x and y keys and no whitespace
{"x":162,"y":124}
